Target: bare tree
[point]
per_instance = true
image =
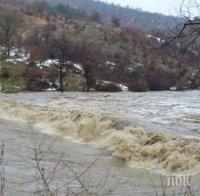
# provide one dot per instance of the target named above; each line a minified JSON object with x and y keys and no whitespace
{"x":187,"y":34}
{"x":188,"y":31}
{"x":10,"y":22}
{"x":89,"y":55}
{"x":47,"y":32}
{"x":96,"y":17}
{"x":116,"y":21}
{"x":61,"y":50}
{"x":48,"y":42}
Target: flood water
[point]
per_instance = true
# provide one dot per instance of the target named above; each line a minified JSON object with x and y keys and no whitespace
{"x":174,"y":112}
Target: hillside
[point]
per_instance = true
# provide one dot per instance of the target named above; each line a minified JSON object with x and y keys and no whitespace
{"x":105,"y":54}
{"x":131,"y":17}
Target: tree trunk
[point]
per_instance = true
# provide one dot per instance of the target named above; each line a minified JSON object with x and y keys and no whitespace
{"x":87,"y":76}
{"x":7,"y":44}
{"x":61,"y":78}
{"x":8,"y":50}
{"x":194,"y":80}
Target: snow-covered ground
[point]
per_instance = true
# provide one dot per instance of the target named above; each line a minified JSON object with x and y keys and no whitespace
{"x":48,"y":62}
{"x":18,"y":56}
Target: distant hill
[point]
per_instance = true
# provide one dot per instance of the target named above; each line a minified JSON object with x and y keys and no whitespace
{"x":129,"y":16}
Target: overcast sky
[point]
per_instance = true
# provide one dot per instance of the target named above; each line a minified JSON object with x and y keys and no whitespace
{"x":168,"y":7}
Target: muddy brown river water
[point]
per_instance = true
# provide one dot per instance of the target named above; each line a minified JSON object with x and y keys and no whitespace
{"x":129,"y":161}
{"x":173,"y":111}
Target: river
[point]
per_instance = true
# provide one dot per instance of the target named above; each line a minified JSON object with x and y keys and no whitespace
{"x":176,"y":114}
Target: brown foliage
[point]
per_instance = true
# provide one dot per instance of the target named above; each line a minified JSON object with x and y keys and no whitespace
{"x":39,"y":79}
{"x":95,"y":17}
{"x":161,"y":79}
{"x":138,"y":86}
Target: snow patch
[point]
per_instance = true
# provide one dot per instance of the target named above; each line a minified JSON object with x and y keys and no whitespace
{"x":173,"y":88}
{"x":51,"y":90}
{"x":153,"y":37}
{"x":79,"y":67}
{"x":123,"y":87}
{"x":18,"y":55}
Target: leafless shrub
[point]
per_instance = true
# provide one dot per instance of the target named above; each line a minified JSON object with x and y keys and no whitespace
{"x":2,"y":178}
{"x":58,"y":175}
{"x":187,"y":32}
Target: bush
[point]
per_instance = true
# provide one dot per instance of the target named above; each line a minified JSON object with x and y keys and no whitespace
{"x":4,"y":73}
{"x":70,"y":87}
{"x":39,"y":79}
{"x":190,"y":79}
{"x":3,"y":55}
{"x":7,"y":86}
{"x":32,"y":64}
{"x":37,"y":85}
{"x":162,"y":79}
{"x":107,"y":87}
{"x":138,"y":86}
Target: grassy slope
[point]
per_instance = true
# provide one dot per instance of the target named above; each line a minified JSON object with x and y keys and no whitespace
{"x":15,"y":80}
